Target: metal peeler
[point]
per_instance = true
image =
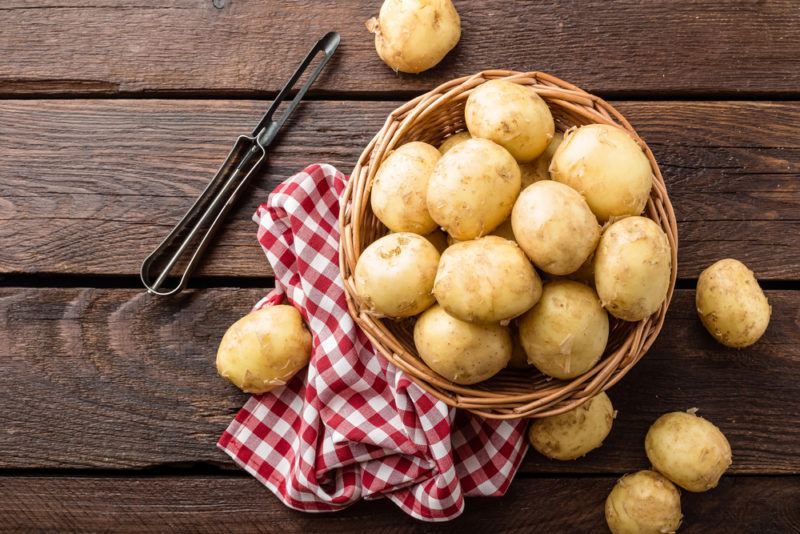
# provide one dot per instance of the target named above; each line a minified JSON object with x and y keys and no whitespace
{"x":210,"y":208}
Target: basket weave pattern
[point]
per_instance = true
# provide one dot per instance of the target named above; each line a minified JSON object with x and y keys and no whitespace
{"x":511,"y":393}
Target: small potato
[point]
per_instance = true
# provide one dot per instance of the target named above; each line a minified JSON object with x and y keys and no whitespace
{"x":415,"y":35}
{"x":573,"y":434}
{"x":453,"y":140}
{"x":605,"y":165}
{"x":688,"y":450}
{"x":539,"y":169}
{"x":400,"y":187}
{"x":486,"y":280}
{"x":462,"y":352}
{"x":438,"y":239}
{"x":643,"y":503}
{"x":554,"y":226}
{"x":473,"y":188}
{"x":731,"y":304}
{"x":512,"y":116}
{"x":264,"y":349}
{"x":566,"y":332}
{"x":394,"y":275}
{"x":632,"y":268}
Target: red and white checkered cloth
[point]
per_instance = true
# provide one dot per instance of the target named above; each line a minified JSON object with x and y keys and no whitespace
{"x":352,"y":426}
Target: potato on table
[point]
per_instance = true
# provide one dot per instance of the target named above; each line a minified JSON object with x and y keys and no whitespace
{"x":643,"y":503}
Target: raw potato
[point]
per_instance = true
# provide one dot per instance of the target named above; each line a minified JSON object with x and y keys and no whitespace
{"x":400,"y":187}
{"x":606,"y":166}
{"x":473,"y":188}
{"x":453,"y":140}
{"x":415,"y":35}
{"x":555,"y":227}
{"x":573,"y":434}
{"x":486,"y":280}
{"x":566,"y":332}
{"x":688,"y":450}
{"x":643,"y":503}
{"x":394,"y":275}
{"x":632,"y":268}
{"x":462,"y":352}
{"x":731,"y":304}
{"x":438,"y":239}
{"x":264,"y":349}
{"x":539,"y":169}
{"x":511,"y":115}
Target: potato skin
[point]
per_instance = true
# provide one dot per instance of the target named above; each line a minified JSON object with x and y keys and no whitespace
{"x":462,"y":352}
{"x":399,"y":191}
{"x":573,"y":434}
{"x":554,"y":226}
{"x":473,"y":188}
{"x":511,"y":115}
{"x":394,"y":275}
{"x":453,"y":140}
{"x":643,"y":503}
{"x":605,"y":165}
{"x":731,"y":304}
{"x":632,"y":268}
{"x":486,"y":280}
{"x":415,"y":35}
{"x":264,"y":349}
{"x":539,"y":169}
{"x":566,"y":332}
{"x":689,"y":450}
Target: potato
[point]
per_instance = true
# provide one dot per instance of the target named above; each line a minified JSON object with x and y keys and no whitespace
{"x":453,"y":140}
{"x":264,"y":349}
{"x":394,"y":275}
{"x":415,"y":35}
{"x":400,"y":188}
{"x":539,"y":169}
{"x":731,"y":304}
{"x":573,"y":434}
{"x":486,"y":280}
{"x":473,"y":188}
{"x":438,"y":239}
{"x":512,"y":116}
{"x":632,"y":268}
{"x":566,"y":332}
{"x":554,"y":226}
{"x":606,"y":166}
{"x":462,"y":352}
{"x":643,"y":503}
{"x":688,"y":450}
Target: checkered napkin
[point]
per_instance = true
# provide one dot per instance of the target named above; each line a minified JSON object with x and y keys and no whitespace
{"x":352,"y":426}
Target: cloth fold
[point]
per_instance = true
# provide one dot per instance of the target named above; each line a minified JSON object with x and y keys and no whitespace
{"x":352,"y":426}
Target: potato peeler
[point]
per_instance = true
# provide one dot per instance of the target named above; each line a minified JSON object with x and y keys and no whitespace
{"x":209,"y":210}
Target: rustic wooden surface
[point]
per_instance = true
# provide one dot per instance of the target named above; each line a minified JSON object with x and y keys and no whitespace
{"x":113,"y":115}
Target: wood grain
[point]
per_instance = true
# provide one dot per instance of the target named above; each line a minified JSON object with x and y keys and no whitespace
{"x":136,"y":504}
{"x":118,"y":379}
{"x":247,"y":46}
{"x":91,"y":186}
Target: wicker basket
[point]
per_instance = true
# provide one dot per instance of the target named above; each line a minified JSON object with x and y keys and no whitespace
{"x":512,"y":393}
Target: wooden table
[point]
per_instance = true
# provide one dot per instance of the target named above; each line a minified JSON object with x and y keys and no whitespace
{"x":114,"y":114}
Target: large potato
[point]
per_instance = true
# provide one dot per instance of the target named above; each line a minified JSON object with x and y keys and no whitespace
{"x":632,"y":268}
{"x":453,"y":140}
{"x":731,"y":304}
{"x":539,"y":169}
{"x":566,"y":332}
{"x":400,"y":187}
{"x":688,"y":450}
{"x":512,"y":116}
{"x":554,"y":226}
{"x":473,"y":188}
{"x":394,"y":275}
{"x":606,"y":166}
{"x":486,"y":280}
{"x":643,"y":503}
{"x":462,"y":352}
{"x":573,"y":434}
{"x":264,"y":349}
{"x":414,"y":35}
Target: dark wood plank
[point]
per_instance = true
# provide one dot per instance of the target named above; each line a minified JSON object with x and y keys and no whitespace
{"x":92,"y":185}
{"x":117,"y":379}
{"x":135,"y":504}
{"x":685,"y":47}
